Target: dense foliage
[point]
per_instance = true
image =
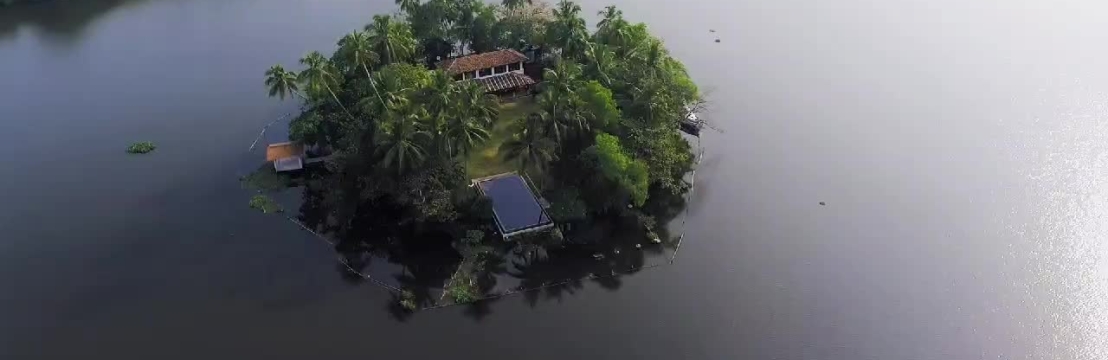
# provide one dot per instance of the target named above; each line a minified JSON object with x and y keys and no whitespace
{"x":603,"y":142}
{"x":141,"y":147}
{"x":264,"y":204}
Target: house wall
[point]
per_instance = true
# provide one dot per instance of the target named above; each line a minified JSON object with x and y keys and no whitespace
{"x":477,"y":74}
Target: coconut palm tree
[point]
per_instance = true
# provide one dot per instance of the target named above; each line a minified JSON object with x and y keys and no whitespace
{"x":463,"y":134}
{"x":601,"y":64}
{"x":319,"y":76}
{"x":562,"y":78}
{"x":472,"y":114}
{"x":515,"y":4}
{"x":645,"y":100}
{"x":281,"y":83}
{"x":408,"y":6}
{"x":612,"y":28}
{"x":463,"y":20}
{"x":559,"y":85}
{"x":441,"y":104}
{"x":477,"y":104}
{"x":568,"y":31}
{"x":356,"y":50}
{"x":391,"y":39}
{"x":400,"y":144}
{"x":530,"y":148}
{"x":395,"y":94}
{"x":569,"y":121}
{"x":609,"y":15}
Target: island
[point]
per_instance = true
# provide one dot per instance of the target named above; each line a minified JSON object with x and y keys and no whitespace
{"x":463,"y":140}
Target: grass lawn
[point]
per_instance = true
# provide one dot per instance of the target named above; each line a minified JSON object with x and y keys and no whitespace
{"x":486,"y":159}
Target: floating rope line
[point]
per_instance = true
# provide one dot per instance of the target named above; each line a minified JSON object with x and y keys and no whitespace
{"x":688,"y":208}
{"x":340,"y":258}
{"x":264,"y":128}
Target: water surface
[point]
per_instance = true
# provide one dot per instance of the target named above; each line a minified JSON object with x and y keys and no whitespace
{"x":960,"y":147}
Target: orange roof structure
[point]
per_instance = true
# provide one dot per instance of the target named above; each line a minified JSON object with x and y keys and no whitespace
{"x":470,"y":63}
{"x":278,"y":151}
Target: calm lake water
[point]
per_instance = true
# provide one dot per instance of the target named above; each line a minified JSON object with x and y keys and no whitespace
{"x":961,"y":148}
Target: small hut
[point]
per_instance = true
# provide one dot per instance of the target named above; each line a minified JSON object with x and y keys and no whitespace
{"x":286,"y":156}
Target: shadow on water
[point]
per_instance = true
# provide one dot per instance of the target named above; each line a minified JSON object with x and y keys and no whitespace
{"x":59,"y":19}
{"x":377,"y":246}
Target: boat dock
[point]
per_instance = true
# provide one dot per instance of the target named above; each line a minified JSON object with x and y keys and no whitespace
{"x":691,"y":124}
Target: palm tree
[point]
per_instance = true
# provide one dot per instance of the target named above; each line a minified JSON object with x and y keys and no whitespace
{"x":357,"y":51}
{"x":654,"y":56}
{"x":478,"y":104}
{"x":319,"y":76}
{"x":557,"y":127}
{"x":281,"y":83}
{"x":530,"y":148}
{"x":399,"y":144}
{"x":577,"y":43}
{"x":645,"y":101}
{"x":609,"y":14}
{"x":395,"y":94}
{"x":612,"y":28}
{"x":392,"y":40}
{"x":515,"y":4}
{"x":408,"y":6}
{"x":562,"y":78}
{"x":471,"y":115}
{"x":464,"y":18}
{"x":559,"y":84}
{"x":568,"y":31}
{"x":601,"y":63}
{"x":441,"y":104}
{"x":568,"y":9}
{"x":462,"y":134}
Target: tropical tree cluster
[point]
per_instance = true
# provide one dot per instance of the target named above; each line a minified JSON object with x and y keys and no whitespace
{"x":608,"y":124}
{"x":604,"y":140}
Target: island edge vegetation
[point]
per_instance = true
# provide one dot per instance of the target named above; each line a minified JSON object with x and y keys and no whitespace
{"x":597,"y":138}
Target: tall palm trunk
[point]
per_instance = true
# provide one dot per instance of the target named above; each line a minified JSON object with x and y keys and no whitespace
{"x":336,"y":97}
{"x":373,"y":84}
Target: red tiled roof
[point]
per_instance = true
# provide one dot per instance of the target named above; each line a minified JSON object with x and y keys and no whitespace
{"x":506,"y":81}
{"x":480,"y":61}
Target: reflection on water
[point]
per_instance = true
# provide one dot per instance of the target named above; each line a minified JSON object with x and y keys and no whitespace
{"x":59,"y":20}
{"x":375,"y":243}
{"x":932,"y":245}
{"x":1066,"y":152}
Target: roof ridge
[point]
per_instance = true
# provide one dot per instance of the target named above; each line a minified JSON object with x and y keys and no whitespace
{"x":478,"y":61}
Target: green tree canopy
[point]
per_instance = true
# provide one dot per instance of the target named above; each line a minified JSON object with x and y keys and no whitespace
{"x":392,"y":40}
{"x":281,"y":82}
{"x":602,"y":133}
{"x":617,"y":166}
